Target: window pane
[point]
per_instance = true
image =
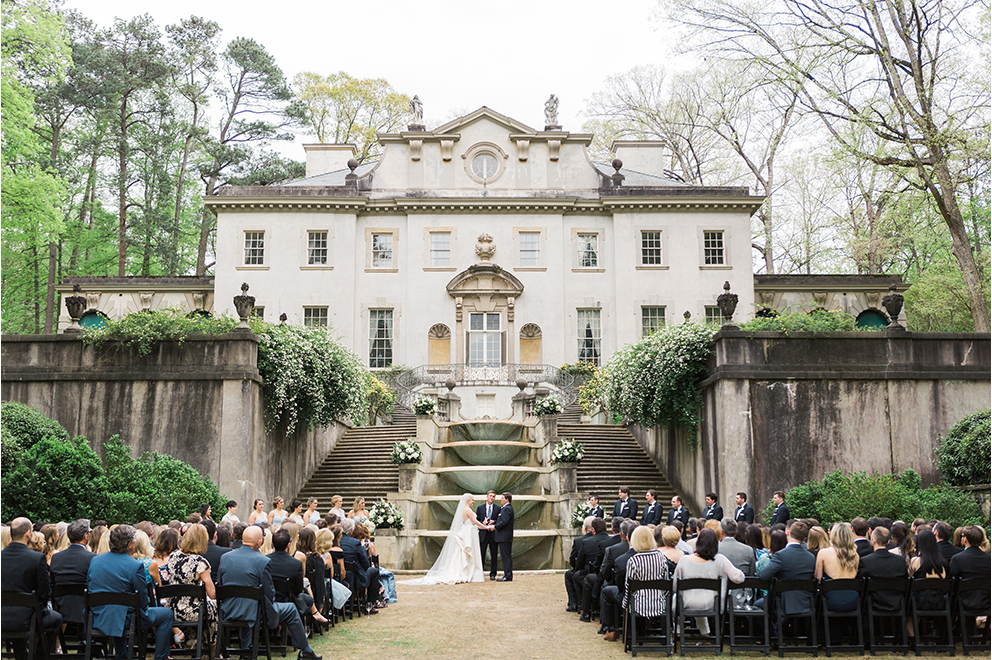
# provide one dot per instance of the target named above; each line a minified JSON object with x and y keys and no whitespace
{"x":315,"y":317}
{"x":492,"y":348}
{"x":440,"y":249}
{"x":713,"y":247}
{"x":652,"y":319}
{"x":380,"y":338}
{"x":530,"y":249}
{"x":317,"y":248}
{"x":254,"y":248}
{"x":492,"y":321}
{"x":651,"y":248}
{"x":382,"y":250}
{"x":589,"y":335}
{"x":713,"y":315}
{"x":475,"y":321}
{"x":588,"y":250}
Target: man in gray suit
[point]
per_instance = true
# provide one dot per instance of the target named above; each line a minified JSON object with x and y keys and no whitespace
{"x":740,"y":555}
{"x":245,"y":567}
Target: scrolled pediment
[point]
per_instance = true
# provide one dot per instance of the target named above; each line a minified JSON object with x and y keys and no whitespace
{"x":484,"y":279}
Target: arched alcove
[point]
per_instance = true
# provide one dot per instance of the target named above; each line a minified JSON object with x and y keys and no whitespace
{"x":530,"y":344}
{"x":439,"y":344}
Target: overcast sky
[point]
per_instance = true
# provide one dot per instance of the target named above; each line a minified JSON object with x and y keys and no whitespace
{"x":456,"y":55}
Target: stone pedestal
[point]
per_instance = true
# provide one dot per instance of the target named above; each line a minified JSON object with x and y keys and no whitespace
{"x":567,"y":482}
{"x":549,"y":426}
{"x":408,"y":476}
{"x":386,"y":544}
{"x":426,"y":427}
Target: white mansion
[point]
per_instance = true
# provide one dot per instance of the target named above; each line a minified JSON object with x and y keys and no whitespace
{"x":484,"y":241}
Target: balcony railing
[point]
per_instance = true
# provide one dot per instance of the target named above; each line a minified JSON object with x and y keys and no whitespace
{"x":410,"y":383}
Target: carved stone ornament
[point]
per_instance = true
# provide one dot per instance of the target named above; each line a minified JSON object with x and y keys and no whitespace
{"x":485,"y":248}
{"x":75,"y":305}
{"x":727,"y":302}
{"x":244,"y":304}
{"x":687,"y":315}
{"x":767,"y":298}
{"x":92,"y":299}
{"x":199,"y":300}
{"x":554,"y":150}
{"x":439,"y":331}
{"x":551,"y":114}
{"x":820,"y":298}
{"x":447,"y":147}
{"x":530,"y":331}
{"x":892,"y":302}
{"x":872,"y":299}
{"x":416,"y":149}
{"x":458,"y":309}
{"x":523,"y":150}
{"x":146,"y":299}
{"x":416,"y":115}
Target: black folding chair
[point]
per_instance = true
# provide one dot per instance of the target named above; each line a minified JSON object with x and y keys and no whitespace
{"x":978,"y":640}
{"x":357,"y":593}
{"x":933,"y":626}
{"x":34,"y":629}
{"x":198,"y":593}
{"x":781,"y":588}
{"x":896,"y":615}
{"x":750,"y":615}
{"x":284,"y":594}
{"x":225,"y":625}
{"x":73,"y":638}
{"x":133,"y":633}
{"x":701,"y":643}
{"x":657,"y":631}
{"x":833,"y":617}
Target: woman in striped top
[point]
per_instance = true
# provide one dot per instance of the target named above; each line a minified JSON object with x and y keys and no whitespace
{"x":647,"y":564}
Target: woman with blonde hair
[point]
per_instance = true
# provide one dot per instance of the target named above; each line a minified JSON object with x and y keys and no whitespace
{"x":336,"y":509}
{"x":358,"y":512}
{"x":327,"y":541}
{"x":96,"y":534}
{"x":278,"y":515}
{"x":189,"y":567}
{"x":142,"y":551}
{"x":667,"y":537}
{"x":4,"y":537}
{"x":266,"y":547}
{"x":36,"y":542}
{"x":294,"y":535}
{"x":839,"y":561}
{"x":817,"y":539}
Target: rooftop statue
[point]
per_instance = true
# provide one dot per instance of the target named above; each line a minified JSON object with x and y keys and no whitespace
{"x":551,"y":111}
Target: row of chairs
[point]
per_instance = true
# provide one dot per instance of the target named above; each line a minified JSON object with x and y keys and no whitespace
{"x":748,"y":625}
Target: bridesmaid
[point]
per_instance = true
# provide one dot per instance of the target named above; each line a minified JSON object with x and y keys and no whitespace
{"x":311,"y":516}
{"x":278,"y":515}
{"x":256,"y":512}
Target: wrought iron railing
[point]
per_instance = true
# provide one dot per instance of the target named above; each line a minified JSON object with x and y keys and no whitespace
{"x":410,"y":383}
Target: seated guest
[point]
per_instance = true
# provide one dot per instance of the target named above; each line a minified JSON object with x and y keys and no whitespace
{"x":142,"y":551}
{"x":713,"y":511}
{"x":284,"y":567}
{"x":902,"y":541}
{"x":667,"y":538}
{"x":166,"y":543}
{"x":839,"y":561}
{"x":24,"y":570}
{"x":742,"y":556}
{"x":691,"y":532}
{"x":791,"y":563}
{"x":189,"y":566}
{"x":366,"y":575}
{"x":594,"y":580}
{"x":971,"y":562}
{"x":883,"y":564}
{"x":611,"y":595}
{"x":224,"y":536}
{"x":116,"y":572}
{"x":246,"y":567}
{"x":313,"y":570}
{"x":652,"y":510}
{"x":647,"y":563}
{"x":708,"y":564}
{"x":70,"y":567}
{"x":590,"y":556}
{"x":944,"y":533}
{"x":236,"y":533}
{"x":859,"y":526}
{"x":817,"y":540}
{"x":929,"y":563}
{"x":573,"y":594}
{"x":213,"y":551}
{"x":334,"y":572}
{"x":756,"y":540}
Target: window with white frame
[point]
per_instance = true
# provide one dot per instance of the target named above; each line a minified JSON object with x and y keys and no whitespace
{"x":440,"y":249}
{"x":530,"y":249}
{"x":589,"y":335}
{"x":254,"y":248}
{"x":258,"y":312}
{"x":650,"y":248}
{"x":652,"y":319}
{"x":713,"y":315}
{"x":382,"y":250}
{"x":380,"y":338}
{"x":315,"y":317}
{"x":485,"y":339}
{"x":317,"y":248}
{"x":588,"y":250}
{"x":713,"y":254}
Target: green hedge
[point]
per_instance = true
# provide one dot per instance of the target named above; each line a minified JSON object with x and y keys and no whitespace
{"x":965,"y":453}
{"x":818,"y":320}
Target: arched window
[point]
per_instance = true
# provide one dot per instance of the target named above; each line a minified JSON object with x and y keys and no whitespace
{"x":872,"y":319}
{"x":93,"y":319}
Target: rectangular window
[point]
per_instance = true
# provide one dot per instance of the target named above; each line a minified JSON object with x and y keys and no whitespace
{"x":254,"y":248}
{"x":713,"y":315}
{"x":315,"y":317}
{"x":382,"y":250}
{"x":485,"y":339}
{"x":380,"y":338}
{"x":590,"y":336}
{"x":530,"y":249}
{"x":440,"y":249}
{"x":317,"y":248}
{"x":652,"y":319}
{"x":258,"y":312}
{"x":588,"y":250}
{"x":713,"y":248}
{"x":650,"y":248}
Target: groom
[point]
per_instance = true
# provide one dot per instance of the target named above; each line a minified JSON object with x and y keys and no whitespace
{"x":504,"y":536}
{"x":487,"y":513}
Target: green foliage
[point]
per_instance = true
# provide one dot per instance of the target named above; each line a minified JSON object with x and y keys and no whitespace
{"x":965,"y":453}
{"x":844,"y":496}
{"x":653,"y":381}
{"x":816,"y":321}
{"x":579,"y":368}
{"x":146,"y":330}
{"x":381,"y":398}
{"x":592,"y":396}
{"x":24,"y":425}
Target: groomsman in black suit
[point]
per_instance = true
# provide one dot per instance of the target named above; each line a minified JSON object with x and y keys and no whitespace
{"x":504,"y":536}
{"x":744,"y":511}
{"x":713,"y":511}
{"x":486,"y":513}
{"x":944,"y":533}
{"x":972,"y":562}
{"x":781,"y":514}
{"x":594,"y":508}
{"x":652,"y":511}
{"x":678,"y":512}
{"x":70,"y":567}
{"x":861,"y":543}
{"x":626,"y":506}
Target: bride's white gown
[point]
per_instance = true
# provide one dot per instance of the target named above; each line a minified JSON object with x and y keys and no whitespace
{"x":460,"y":559}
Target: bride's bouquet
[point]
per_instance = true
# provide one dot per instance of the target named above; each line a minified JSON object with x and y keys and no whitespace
{"x":384,"y":515}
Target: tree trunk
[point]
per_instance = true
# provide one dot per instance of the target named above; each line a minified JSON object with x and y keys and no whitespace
{"x":50,"y":298}
{"x":37,"y":290}
{"x":205,"y":222}
{"x":122,"y":194}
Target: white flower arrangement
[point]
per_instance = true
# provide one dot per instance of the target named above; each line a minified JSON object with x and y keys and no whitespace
{"x":580,"y":513}
{"x":549,"y":405}
{"x":567,"y":451}
{"x":384,"y":515}
{"x":406,"y":451}
{"x":424,"y":405}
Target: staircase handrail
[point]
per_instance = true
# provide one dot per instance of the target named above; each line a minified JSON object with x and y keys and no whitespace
{"x":436,"y":375}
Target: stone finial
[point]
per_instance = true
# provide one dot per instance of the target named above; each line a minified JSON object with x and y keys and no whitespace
{"x":450,"y":384}
{"x":617,"y":178}
{"x":521,"y":384}
{"x":283,"y":318}
{"x":75,"y":305}
{"x":485,"y":248}
{"x":727,"y":302}
{"x":551,"y":114}
{"x":892,"y":302}
{"x":686,"y":315}
{"x":244,"y":304}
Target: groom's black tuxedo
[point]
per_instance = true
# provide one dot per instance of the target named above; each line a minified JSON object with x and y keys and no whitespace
{"x":504,"y":538}
{"x":487,"y":539}
{"x":625,"y":509}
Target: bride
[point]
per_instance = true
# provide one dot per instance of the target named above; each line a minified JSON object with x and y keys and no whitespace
{"x":460,"y":559}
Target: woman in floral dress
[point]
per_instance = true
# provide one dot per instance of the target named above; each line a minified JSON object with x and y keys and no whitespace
{"x":187,"y":566}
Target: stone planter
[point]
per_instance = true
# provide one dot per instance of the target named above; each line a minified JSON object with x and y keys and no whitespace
{"x":408,"y":475}
{"x":387,"y":545}
{"x":566,"y":477}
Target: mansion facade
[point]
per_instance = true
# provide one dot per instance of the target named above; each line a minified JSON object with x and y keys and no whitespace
{"x":485,"y":241}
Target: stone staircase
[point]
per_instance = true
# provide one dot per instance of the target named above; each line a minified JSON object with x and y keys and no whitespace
{"x":359,"y":465}
{"x":571,"y":414}
{"x":613,"y":458}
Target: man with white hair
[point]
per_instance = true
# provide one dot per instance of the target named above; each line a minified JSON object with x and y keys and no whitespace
{"x":366,"y":574}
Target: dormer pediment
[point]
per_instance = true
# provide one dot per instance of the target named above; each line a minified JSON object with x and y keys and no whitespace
{"x":484,"y":279}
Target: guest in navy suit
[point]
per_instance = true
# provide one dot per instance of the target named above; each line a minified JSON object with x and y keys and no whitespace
{"x":625,"y":507}
{"x":22,"y":569}
{"x":594,"y":508}
{"x":366,"y":573}
{"x":652,"y":510}
{"x":713,"y":511}
{"x":744,"y":511}
{"x":71,"y":566}
{"x":116,"y":572}
{"x":792,"y":563}
{"x":486,"y":513}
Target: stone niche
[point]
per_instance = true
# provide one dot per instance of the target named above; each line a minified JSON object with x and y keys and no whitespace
{"x":530,"y":344}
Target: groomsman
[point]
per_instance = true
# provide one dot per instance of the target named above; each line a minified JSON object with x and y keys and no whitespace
{"x":713,"y":511}
{"x":625,"y":507}
{"x":594,"y":509}
{"x":653,"y":510}
{"x":781,"y":514}
{"x":744,"y":511}
{"x":678,"y":512}
{"x":487,"y":513}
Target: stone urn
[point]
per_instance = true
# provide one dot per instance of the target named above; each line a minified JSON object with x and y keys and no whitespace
{"x":75,"y":305}
{"x":567,"y":481}
{"x":408,"y":476}
{"x":892,"y":302}
{"x":727,"y":302}
{"x":244,"y":304}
